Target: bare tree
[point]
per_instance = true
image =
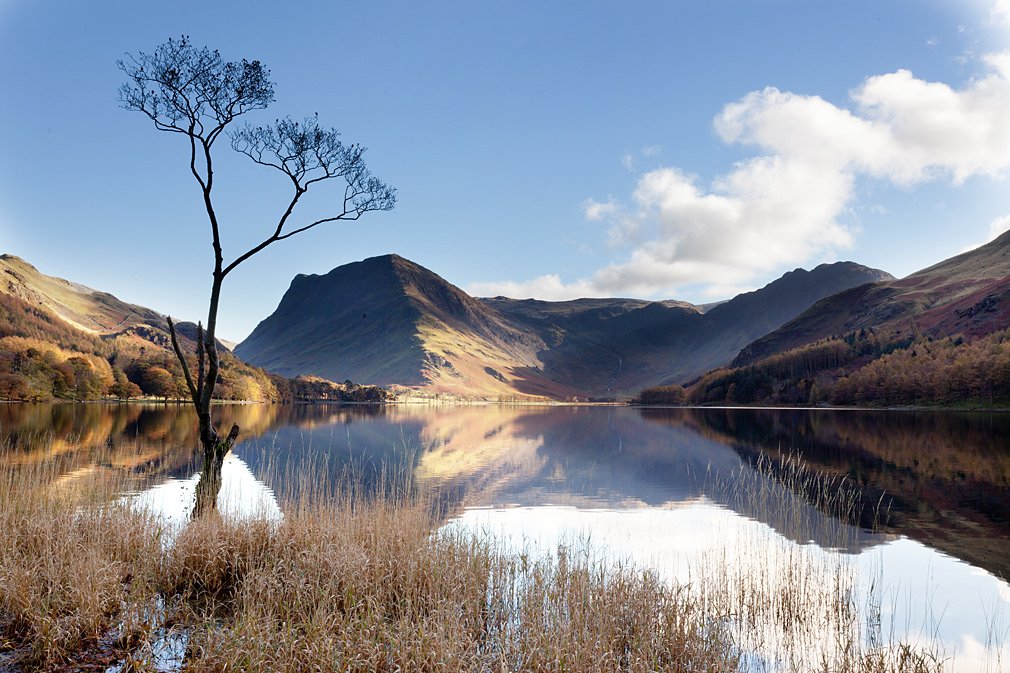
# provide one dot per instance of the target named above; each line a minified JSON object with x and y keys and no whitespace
{"x":192,"y":92}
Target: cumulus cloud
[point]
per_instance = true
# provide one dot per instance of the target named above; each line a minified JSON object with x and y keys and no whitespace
{"x":1001,"y":12}
{"x":787,"y":205}
{"x":549,"y":287}
{"x":595,"y":211}
{"x":902,"y":129}
{"x":997,"y":227}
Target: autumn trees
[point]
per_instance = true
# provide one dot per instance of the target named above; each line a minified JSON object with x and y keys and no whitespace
{"x":194,"y":93}
{"x":861,"y":369}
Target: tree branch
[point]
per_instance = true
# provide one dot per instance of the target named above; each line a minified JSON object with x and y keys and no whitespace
{"x":200,"y":358}
{"x":182,"y":360}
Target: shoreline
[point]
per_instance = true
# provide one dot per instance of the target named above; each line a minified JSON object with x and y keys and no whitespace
{"x":416,"y":402}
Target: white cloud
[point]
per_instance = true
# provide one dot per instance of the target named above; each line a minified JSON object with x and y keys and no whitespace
{"x":651,"y":150}
{"x":764,"y":214}
{"x":595,"y":211}
{"x":786,"y":205}
{"x":628,"y":161}
{"x":547,"y":287}
{"x":902,"y":129}
{"x":1001,"y":12}
{"x":622,"y":227}
{"x":998,"y":226}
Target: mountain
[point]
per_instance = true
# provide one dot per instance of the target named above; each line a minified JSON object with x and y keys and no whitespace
{"x":64,"y":340}
{"x":940,"y":336}
{"x":390,"y":321}
{"x":966,"y":295}
{"x":86,"y":309}
{"x":608,"y":347}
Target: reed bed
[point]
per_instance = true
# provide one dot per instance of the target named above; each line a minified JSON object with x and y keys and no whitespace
{"x":352,"y":583}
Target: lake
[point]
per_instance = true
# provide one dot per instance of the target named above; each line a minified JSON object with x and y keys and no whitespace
{"x":727,"y":497}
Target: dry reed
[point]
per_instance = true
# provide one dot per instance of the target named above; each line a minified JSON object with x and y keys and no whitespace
{"x":355,"y":584}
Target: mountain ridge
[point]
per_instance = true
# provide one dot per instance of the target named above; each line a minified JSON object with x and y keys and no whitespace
{"x":391,"y":321}
{"x":87,"y":309}
{"x":64,"y":340}
{"x":967,"y":294}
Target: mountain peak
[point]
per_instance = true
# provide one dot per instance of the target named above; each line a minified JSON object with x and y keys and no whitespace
{"x":940,"y":300}
{"x":14,"y":260}
{"x":389,"y":320}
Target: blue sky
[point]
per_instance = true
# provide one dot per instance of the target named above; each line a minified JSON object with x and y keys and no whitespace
{"x":684,"y":150}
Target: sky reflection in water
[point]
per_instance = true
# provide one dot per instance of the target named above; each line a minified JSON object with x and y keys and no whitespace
{"x":658,"y":488}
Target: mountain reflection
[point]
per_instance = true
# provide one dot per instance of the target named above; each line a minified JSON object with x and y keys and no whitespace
{"x":944,"y":475}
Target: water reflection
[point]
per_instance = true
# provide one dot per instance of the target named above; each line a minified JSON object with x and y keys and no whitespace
{"x":943,"y":476}
{"x":669,"y":488}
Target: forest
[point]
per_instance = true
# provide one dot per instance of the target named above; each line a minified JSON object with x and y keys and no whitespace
{"x":862,"y":368}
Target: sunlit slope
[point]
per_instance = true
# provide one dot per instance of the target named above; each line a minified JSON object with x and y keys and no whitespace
{"x":353,"y":323}
{"x":389,"y":321}
{"x":968,"y":294}
{"x":386,"y":320}
{"x":81,"y":306}
{"x":63,"y":340}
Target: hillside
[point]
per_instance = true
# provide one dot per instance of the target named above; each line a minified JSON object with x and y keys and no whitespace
{"x":964,"y":295}
{"x":63,"y":340}
{"x":938,"y":336}
{"x":390,"y":321}
{"x":82,"y":307}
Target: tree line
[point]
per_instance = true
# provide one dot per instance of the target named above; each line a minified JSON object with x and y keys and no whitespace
{"x":861,"y":368}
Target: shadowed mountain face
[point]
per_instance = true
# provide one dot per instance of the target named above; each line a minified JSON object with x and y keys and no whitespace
{"x":622,"y":346}
{"x":389,"y":321}
{"x":968,"y":294}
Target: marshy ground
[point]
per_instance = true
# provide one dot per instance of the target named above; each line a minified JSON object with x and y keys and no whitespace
{"x":90,"y":582}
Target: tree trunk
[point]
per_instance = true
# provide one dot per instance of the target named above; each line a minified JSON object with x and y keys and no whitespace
{"x":202,"y":392}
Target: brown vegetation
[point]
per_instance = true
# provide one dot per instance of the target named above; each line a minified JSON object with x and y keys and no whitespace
{"x":370,"y":587}
{"x":868,"y":369}
{"x":44,"y":358}
{"x":665,"y":395}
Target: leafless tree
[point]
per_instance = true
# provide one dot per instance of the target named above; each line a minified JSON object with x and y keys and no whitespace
{"x":191,"y":91}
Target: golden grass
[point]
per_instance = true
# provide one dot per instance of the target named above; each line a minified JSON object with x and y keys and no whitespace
{"x":371,"y":590}
{"x":73,"y":573}
{"x":365,"y":585}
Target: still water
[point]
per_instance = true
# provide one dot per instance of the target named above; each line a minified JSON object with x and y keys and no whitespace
{"x":710,"y":497}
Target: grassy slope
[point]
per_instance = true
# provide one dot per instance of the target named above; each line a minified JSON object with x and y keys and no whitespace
{"x":927,"y":301}
{"x":45,"y":312}
{"x":85,"y":308}
{"x":387,"y":320}
{"x":352,"y":323}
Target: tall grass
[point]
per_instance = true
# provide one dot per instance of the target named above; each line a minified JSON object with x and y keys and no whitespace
{"x":74,"y":573}
{"x":351,"y":583}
